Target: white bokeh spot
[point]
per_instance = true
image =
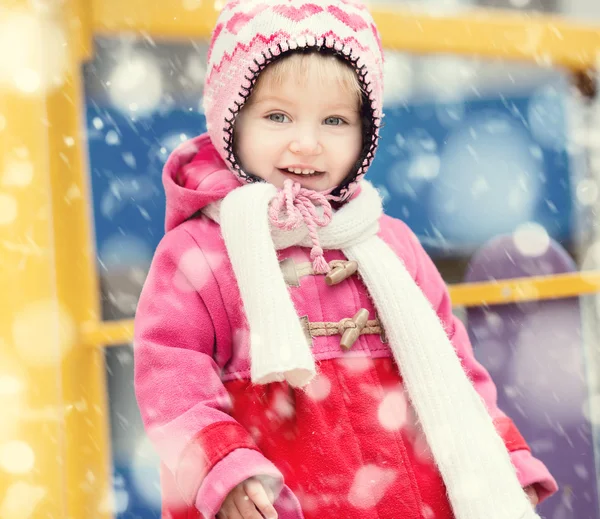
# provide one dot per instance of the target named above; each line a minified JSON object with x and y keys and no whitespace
{"x":581,"y":471}
{"x":370,"y":485}
{"x":112,"y":138}
{"x":16,"y":457}
{"x":196,"y":69}
{"x":43,"y":333}
{"x":531,"y":239}
{"x":97,"y":123}
{"x":283,"y":405}
{"x":37,"y":59}
{"x":587,"y":191}
{"x":447,"y":78}
{"x":421,"y":447}
{"x":166,"y":145}
{"x":398,"y":77}
{"x":8,"y":209}
{"x":17,"y":173}
{"x":191,"y":5}
{"x":136,"y":84}
{"x":192,"y":272}
{"x":21,"y":500}
{"x":424,"y":166}
{"x":116,"y":498}
{"x":392,"y":411}
{"x":493,"y":321}
{"x":355,"y":364}
{"x":13,"y":387}
{"x":319,"y":388}
{"x":27,"y":80}
{"x":427,"y":512}
{"x":10,"y":385}
{"x":419,"y":166}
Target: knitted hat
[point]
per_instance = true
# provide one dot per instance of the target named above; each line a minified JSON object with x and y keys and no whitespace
{"x":251,"y":34}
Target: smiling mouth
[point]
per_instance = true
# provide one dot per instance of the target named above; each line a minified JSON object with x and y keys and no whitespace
{"x":301,"y":172}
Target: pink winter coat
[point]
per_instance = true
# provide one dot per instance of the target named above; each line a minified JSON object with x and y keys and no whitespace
{"x":348,"y":445}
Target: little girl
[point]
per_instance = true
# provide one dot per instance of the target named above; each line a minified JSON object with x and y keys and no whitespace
{"x":296,"y":352}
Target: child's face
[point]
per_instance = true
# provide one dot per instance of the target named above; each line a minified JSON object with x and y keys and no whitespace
{"x":310,"y":125}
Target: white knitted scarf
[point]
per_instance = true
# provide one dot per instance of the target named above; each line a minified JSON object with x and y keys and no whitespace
{"x":472,"y":458}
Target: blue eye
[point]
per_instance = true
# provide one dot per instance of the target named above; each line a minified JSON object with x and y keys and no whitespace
{"x":334,"y":121}
{"x":278,"y":118}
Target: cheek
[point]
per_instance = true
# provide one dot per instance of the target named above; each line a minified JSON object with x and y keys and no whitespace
{"x":246,"y":146}
{"x":259,"y":150}
{"x":263,"y":148}
{"x":346,"y":160}
{"x":244,"y":154}
{"x":352,"y":143}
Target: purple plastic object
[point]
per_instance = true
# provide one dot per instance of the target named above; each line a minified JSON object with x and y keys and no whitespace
{"x":534,"y":352}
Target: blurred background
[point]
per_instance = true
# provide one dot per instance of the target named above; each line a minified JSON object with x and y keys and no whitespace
{"x":494,"y":163}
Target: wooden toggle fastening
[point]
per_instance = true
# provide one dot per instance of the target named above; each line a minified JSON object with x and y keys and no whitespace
{"x":353,"y":328}
{"x":341,"y":271}
{"x":358,"y":324}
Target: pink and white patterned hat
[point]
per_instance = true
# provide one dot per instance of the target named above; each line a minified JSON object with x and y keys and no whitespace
{"x":251,"y":34}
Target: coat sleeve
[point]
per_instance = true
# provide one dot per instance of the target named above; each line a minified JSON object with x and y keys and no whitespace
{"x":530,"y":470}
{"x":183,"y":402}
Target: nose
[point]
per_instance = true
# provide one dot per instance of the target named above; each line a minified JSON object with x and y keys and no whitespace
{"x":306,"y":142}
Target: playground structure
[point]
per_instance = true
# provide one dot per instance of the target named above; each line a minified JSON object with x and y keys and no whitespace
{"x":52,"y":373}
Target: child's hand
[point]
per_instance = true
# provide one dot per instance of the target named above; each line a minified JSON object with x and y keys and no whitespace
{"x":245,"y":501}
{"x":532,"y":495}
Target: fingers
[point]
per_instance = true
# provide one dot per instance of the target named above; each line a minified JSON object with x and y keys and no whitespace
{"x":229,"y":511}
{"x":258,"y":495}
{"x":245,"y":501}
{"x":532,"y":495}
{"x":246,"y":506}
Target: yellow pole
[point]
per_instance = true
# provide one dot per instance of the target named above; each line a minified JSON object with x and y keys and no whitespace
{"x":495,"y":34}
{"x":54,"y":450}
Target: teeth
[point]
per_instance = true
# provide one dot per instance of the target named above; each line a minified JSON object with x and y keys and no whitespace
{"x":298,"y":171}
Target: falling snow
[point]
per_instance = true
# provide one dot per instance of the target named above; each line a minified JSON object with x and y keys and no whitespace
{"x":470,"y":151}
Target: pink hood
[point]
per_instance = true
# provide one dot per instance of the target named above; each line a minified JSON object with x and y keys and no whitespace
{"x":193,"y":177}
{"x":251,"y":34}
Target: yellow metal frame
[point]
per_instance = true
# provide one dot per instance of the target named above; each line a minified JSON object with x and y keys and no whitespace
{"x":541,"y":39}
{"x":53,"y":388}
{"x":499,"y":292}
{"x":47,"y":257}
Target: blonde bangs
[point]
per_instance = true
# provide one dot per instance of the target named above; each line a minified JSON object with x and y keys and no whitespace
{"x":301,"y":66}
